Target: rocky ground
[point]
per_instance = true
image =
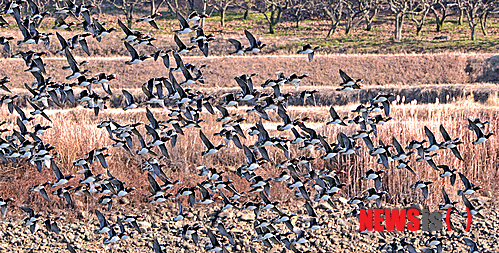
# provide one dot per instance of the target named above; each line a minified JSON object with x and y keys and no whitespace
{"x":338,"y":233}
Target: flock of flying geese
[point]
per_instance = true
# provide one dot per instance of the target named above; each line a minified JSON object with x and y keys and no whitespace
{"x":25,"y":144}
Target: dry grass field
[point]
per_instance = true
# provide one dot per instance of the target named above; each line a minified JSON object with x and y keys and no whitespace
{"x":74,"y":132}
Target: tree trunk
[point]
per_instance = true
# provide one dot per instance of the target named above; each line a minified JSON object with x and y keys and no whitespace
{"x":369,"y":24}
{"x":420,"y":23}
{"x":246,"y":13}
{"x":129,"y":21}
{"x":222,"y":16}
{"x":297,"y":21}
{"x":332,"y":29}
{"x":370,"y":19}
{"x":461,"y":14}
{"x":439,"y":26}
{"x":472,"y":22}
{"x":418,"y":29}
{"x":271,"y":28}
{"x":483,"y":23}
{"x":272,"y":20}
{"x":399,"y":19}
{"x":439,"y":22}
{"x":348,"y":25}
{"x":129,"y":16}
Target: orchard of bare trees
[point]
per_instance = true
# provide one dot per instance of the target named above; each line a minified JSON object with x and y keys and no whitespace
{"x":348,"y":14}
{"x":354,"y":13}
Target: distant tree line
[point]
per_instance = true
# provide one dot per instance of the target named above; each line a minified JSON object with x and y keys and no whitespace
{"x":350,"y":13}
{"x":353,"y":13}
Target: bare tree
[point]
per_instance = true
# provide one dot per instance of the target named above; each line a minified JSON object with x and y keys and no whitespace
{"x":297,"y":9}
{"x":44,"y":4}
{"x":372,"y":11}
{"x":155,"y":5}
{"x":272,"y":10}
{"x":127,"y":7}
{"x":419,"y":9}
{"x":441,"y":9}
{"x":221,"y":6}
{"x":492,"y":8}
{"x":334,"y":10}
{"x":461,"y":15}
{"x":355,"y":11}
{"x":170,"y":8}
{"x":400,"y":8}
{"x":246,"y":5}
{"x":473,"y":9}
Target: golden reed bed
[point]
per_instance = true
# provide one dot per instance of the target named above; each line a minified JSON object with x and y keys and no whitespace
{"x":75,"y":132}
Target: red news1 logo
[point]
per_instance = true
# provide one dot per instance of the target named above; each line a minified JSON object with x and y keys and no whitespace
{"x":399,"y":219}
